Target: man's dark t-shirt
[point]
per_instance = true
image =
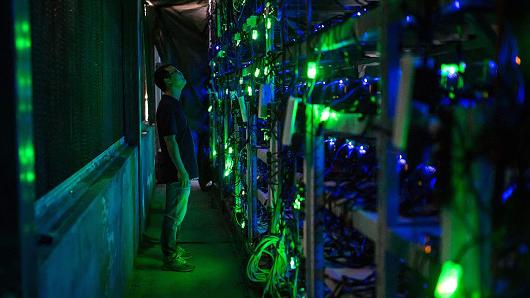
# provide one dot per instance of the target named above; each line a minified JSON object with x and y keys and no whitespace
{"x":171,"y":120}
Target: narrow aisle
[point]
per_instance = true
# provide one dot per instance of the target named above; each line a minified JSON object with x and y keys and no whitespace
{"x":218,"y":271}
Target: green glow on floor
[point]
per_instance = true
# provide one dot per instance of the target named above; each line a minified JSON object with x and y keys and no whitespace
{"x":206,"y":234}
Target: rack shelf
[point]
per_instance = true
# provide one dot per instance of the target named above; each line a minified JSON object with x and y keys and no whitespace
{"x":262,"y":154}
{"x":263,"y":198}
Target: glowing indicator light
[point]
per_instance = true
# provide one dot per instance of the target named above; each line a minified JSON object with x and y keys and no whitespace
{"x":249,"y":90}
{"x":325,"y":115}
{"x":269,"y":23}
{"x":209,"y":109}
{"x":255,"y":34}
{"x":257,"y":72}
{"x":311,"y":70}
{"x":428,"y":249}
{"x":362,"y":150}
{"x":517,"y":60}
{"x":508,"y":193}
{"x":296,"y":205}
{"x":26,"y":154}
{"x":292,"y":263}
{"x":402,"y":160}
{"x":448,"y":281}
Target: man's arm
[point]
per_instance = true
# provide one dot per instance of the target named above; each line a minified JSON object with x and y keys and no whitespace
{"x":174,"y":154}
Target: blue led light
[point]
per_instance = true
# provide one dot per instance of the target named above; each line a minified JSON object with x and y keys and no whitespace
{"x":362,"y":150}
{"x":402,"y":160}
{"x":432,"y":184}
{"x":429,"y":170}
{"x":331,"y":142}
{"x":508,"y":193}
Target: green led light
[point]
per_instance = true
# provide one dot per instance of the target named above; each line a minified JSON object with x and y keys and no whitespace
{"x":447,"y":285}
{"x":292,"y":263}
{"x":257,"y":72}
{"x":26,"y":154}
{"x":230,"y":150}
{"x":298,"y":202}
{"x":266,"y":70}
{"x":249,"y":90}
{"x":243,"y":225}
{"x":255,"y":34}
{"x":269,"y":23}
{"x":296,"y":205}
{"x":28,"y":176}
{"x":325,"y":114}
{"x":462,"y":67}
{"x":311,"y":70}
{"x":209,"y":109}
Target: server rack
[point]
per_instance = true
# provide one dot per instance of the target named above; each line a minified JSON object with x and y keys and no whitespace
{"x":397,"y":239}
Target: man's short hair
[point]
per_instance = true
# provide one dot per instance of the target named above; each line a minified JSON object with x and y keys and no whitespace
{"x":160,"y":75}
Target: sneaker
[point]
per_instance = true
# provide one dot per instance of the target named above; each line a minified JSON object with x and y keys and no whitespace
{"x":181,"y":252}
{"x":178,"y":265}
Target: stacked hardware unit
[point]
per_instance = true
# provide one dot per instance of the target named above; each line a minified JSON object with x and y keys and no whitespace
{"x":354,"y":149}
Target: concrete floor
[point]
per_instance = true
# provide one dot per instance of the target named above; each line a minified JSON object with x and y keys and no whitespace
{"x":219,"y":271}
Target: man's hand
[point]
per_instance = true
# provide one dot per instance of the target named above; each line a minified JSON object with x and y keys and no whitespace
{"x":184,"y":178}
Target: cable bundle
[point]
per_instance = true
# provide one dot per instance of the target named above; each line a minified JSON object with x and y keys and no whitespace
{"x":273,"y":247}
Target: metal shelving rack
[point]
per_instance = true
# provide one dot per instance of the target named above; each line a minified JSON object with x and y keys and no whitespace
{"x":397,"y":239}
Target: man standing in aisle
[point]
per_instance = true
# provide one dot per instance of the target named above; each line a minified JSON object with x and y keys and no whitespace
{"x":176,"y":164}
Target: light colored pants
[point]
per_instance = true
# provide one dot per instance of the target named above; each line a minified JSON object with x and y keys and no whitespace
{"x":176,"y":207}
